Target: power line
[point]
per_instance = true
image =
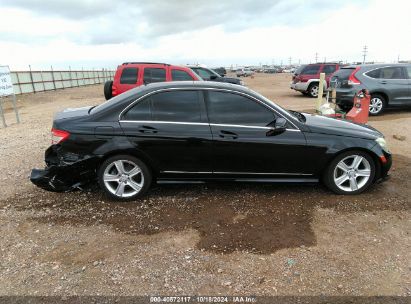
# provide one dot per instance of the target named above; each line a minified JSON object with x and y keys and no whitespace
{"x":364,"y":53}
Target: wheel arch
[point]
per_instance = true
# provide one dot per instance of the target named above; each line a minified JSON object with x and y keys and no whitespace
{"x":373,"y":155}
{"x":152,"y":166}
{"x":383,"y":94}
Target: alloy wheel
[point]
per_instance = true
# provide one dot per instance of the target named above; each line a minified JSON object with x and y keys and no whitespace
{"x":352,"y":173}
{"x":123,"y":178}
{"x":376,"y":105}
{"x":314,"y":91}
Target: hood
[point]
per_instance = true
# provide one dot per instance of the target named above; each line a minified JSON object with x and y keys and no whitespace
{"x":332,"y":126}
{"x":72,"y":113}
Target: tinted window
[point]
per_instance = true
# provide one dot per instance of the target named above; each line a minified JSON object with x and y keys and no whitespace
{"x":311,"y":69}
{"x":228,"y":108}
{"x":329,"y":69}
{"x":178,"y":75}
{"x":409,"y":71}
{"x":203,"y":73}
{"x":181,"y":106}
{"x":392,"y":73}
{"x":374,"y":73}
{"x":154,"y":75}
{"x":129,"y":76}
{"x":343,"y":73}
{"x":141,"y":111}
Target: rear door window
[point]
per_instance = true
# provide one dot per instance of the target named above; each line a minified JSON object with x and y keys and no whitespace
{"x":177,"y":106}
{"x":129,"y":76}
{"x":329,"y":69}
{"x":154,"y":75}
{"x":179,"y":75}
{"x":311,"y":69}
{"x":409,"y":71}
{"x":140,"y":111}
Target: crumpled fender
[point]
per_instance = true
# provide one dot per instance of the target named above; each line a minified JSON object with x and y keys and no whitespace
{"x":62,"y":175}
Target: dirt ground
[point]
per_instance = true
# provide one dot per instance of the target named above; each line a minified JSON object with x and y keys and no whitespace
{"x":219,"y":238}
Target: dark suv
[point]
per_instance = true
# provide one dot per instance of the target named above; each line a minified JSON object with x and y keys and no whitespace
{"x":389,"y":85}
{"x":210,"y":75}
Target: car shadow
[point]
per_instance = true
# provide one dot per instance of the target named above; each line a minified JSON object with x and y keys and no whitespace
{"x":258,"y":218}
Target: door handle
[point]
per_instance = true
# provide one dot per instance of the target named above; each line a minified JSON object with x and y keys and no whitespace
{"x":147,"y":130}
{"x":383,"y":82}
{"x":228,"y":135}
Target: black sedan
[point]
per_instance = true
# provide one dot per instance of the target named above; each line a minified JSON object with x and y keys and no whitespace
{"x":199,"y":131}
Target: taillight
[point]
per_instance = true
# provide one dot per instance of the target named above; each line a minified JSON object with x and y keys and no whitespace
{"x":113,"y":90}
{"x":352,"y":79}
{"x":58,"y":136}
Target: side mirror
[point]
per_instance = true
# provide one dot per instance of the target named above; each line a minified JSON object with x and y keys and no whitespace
{"x":277,"y":126}
{"x":213,"y":77}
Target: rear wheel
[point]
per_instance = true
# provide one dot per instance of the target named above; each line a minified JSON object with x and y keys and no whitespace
{"x":124,"y":177}
{"x":313,"y":90}
{"x":377,"y":104}
{"x":108,"y":87}
{"x":351,"y":172}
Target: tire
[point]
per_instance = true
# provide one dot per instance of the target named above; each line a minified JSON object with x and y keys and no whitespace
{"x":108,"y":90}
{"x":378,"y":104}
{"x":340,"y":178}
{"x":115,"y":180}
{"x":313,"y":90}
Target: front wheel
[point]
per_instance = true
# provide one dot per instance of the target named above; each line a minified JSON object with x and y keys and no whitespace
{"x":351,"y":172}
{"x":124,"y":177}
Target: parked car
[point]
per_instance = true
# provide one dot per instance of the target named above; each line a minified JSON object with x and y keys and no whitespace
{"x":210,"y":75}
{"x":307,"y":82}
{"x":133,"y":74}
{"x":244,"y":72}
{"x":197,"y":131}
{"x":220,"y":71}
{"x":388,"y":84}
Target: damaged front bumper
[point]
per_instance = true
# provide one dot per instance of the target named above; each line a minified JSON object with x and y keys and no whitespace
{"x":64,"y":173}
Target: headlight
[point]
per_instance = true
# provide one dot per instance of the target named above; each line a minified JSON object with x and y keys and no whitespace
{"x":383,"y":144}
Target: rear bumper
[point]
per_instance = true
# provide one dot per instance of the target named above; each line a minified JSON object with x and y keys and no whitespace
{"x":345,"y":97}
{"x":63,"y":176}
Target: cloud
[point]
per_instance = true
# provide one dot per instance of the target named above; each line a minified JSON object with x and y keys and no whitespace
{"x":123,"y":21}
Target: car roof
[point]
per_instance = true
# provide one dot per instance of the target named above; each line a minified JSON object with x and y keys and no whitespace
{"x":374,"y":65}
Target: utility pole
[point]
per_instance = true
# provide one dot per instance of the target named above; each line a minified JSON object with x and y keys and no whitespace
{"x":398,"y":58}
{"x":316,"y":57}
{"x":289,"y":61}
{"x":364,"y":53}
{"x":281,"y":63}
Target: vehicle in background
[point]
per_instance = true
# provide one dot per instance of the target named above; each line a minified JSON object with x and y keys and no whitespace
{"x":220,"y":71}
{"x":133,"y":74}
{"x":197,"y":131}
{"x":307,"y":81}
{"x":209,"y":75}
{"x":388,"y":84}
{"x":244,"y":72}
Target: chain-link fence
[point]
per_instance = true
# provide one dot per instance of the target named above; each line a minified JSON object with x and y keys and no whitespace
{"x":39,"y":81}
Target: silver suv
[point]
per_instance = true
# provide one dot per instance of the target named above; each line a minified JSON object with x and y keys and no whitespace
{"x":388,"y":84}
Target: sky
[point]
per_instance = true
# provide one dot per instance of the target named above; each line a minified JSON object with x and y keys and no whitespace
{"x":105,"y":33}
